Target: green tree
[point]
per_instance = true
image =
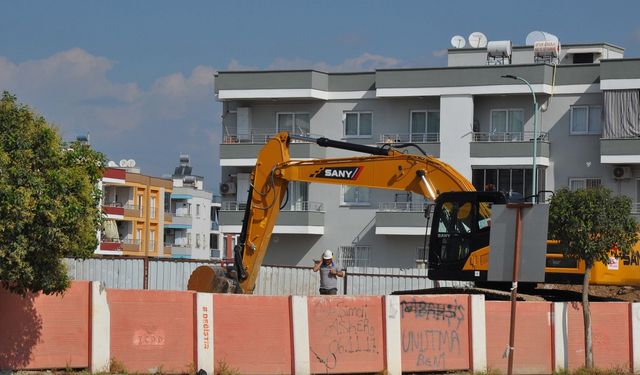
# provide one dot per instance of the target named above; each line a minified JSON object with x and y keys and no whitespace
{"x":49,"y":201}
{"x":590,"y":224}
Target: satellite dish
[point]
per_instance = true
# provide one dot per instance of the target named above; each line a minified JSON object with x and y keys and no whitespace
{"x":458,"y":41}
{"x":112,"y":164}
{"x":123,"y":163}
{"x":131,"y":163}
{"x":540,"y":36}
{"x":477,"y":40}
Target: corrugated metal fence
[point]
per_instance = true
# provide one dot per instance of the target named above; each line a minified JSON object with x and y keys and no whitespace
{"x":172,"y":274}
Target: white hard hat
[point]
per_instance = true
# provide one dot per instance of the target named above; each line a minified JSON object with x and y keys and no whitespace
{"x":327,"y":254}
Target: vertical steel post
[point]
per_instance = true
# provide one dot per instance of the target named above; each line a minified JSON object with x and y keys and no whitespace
{"x":514,"y":285}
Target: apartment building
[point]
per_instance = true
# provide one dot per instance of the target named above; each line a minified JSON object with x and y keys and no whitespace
{"x":135,"y":218}
{"x":468,"y":114}
{"x":194,"y":231}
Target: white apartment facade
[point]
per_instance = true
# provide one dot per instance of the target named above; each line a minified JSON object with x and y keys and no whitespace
{"x":466,"y":114}
{"x":193,"y":232}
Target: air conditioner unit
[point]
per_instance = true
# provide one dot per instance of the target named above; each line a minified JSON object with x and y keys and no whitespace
{"x":620,"y":173}
{"x":227,"y":188}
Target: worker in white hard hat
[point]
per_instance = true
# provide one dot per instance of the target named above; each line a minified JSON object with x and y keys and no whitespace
{"x":328,"y":273}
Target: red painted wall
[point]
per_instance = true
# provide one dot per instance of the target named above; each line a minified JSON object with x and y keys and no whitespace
{"x":42,"y":331}
{"x":252,"y":334}
{"x":152,"y":330}
{"x":346,"y":334}
{"x":155,"y":331}
{"x":610,"y":330}
{"x":435,"y":333}
{"x":533,"y":337}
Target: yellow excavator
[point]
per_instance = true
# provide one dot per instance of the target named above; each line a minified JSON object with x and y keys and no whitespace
{"x":460,"y":229}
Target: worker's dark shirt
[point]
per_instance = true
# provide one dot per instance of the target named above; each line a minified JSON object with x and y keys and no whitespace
{"x":327,"y":280}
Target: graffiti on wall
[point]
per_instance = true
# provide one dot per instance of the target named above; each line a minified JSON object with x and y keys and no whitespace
{"x":347,"y":330}
{"x":149,"y":336}
{"x":433,"y":332}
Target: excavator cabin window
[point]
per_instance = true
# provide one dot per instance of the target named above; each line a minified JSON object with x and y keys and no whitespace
{"x":461,"y":225}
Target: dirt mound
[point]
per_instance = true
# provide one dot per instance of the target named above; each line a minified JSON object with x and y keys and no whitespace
{"x":560,"y":292}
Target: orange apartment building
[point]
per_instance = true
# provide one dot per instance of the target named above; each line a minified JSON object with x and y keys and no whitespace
{"x":135,"y":218}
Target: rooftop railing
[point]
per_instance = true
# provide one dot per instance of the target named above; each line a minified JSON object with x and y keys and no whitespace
{"x":402,"y":206}
{"x":509,"y":137}
{"x":295,"y":207}
{"x":409,"y":138}
{"x":261,"y":136}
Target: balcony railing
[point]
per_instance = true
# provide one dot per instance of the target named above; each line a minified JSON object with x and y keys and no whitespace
{"x":185,"y":214}
{"x":295,"y":207}
{"x":409,"y":138}
{"x":260,"y":136}
{"x":402,"y":207}
{"x":186,"y":244}
{"x":113,"y":204}
{"x":509,"y":137}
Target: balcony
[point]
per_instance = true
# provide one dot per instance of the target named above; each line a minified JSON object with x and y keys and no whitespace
{"x":300,"y":218}
{"x":241,"y":149}
{"x":131,"y":210}
{"x":429,"y":142}
{"x":166,"y":250}
{"x":180,"y":219}
{"x":110,"y":244}
{"x":113,"y":210}
{"x":490,"y":148}
{"x":620,"y":150}
{"x":131,"y":245}
{"x":401,"y":218}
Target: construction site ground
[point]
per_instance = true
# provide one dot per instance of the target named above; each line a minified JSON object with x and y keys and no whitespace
{"x":545,"y":292}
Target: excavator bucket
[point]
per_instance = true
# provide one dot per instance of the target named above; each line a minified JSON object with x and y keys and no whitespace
{"x":212,"y":279}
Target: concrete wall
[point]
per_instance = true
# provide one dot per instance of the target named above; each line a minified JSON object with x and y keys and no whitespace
{"x":176,"y":332}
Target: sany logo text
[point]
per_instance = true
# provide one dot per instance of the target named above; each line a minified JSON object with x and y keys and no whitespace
{"x":341,"y":173}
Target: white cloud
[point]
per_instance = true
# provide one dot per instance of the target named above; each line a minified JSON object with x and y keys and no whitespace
{"x":72,"y":90}
{"x":439,"y":53}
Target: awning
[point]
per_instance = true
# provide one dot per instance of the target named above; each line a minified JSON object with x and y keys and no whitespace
{"x":181,"y":196}
{"x":178,"y":226}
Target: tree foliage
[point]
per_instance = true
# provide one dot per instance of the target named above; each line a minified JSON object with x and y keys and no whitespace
{"x":49,"y":201}
{"x":591,"y":222}
{"x":592,"y":225}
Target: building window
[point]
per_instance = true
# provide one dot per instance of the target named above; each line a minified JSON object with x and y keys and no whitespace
{"x":353,"y":256}
{"x":425,"y":126}
{"x":584,"y":183}
{"x":507,"y":180}
{"x":198,"y":240}
{"x":152,"y":240}
{"x":293,"y":122}
{"x":152,"y":208}
{"x":354,"y":196}
{"x":197,"y":210}
{"x":507,"y":124}
{"x":357,"y":124}
{"x":586,"y":119}
{"x":140,"y":204}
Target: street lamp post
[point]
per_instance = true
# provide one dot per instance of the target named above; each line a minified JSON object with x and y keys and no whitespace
{"x":534,"y":183}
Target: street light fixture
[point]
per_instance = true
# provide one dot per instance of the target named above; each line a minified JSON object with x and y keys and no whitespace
{"x":534,"y":183}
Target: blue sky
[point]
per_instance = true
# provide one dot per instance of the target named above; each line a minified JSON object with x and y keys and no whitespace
{"x":138,"y":75}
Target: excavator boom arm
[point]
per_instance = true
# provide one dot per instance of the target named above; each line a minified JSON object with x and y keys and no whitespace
{"x":387,"y":168}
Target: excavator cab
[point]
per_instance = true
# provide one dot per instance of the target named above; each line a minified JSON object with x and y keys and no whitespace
{"x":460,"y":227}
